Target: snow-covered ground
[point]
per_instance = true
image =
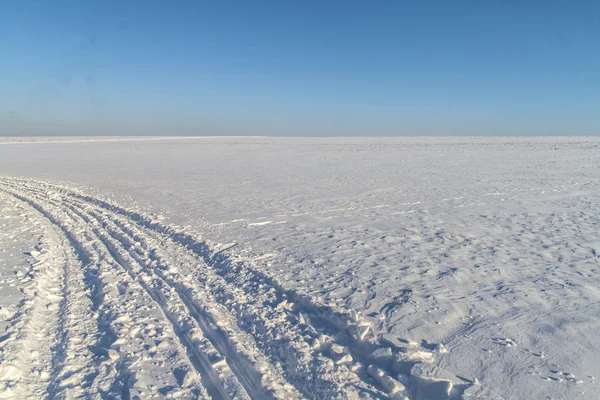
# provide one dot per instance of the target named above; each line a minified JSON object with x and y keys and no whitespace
{"x":300,"y":268}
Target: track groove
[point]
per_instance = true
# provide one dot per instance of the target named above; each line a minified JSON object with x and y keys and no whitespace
{"x":110,"y":377}
{"x":242,"y":332}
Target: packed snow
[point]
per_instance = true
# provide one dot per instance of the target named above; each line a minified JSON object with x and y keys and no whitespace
{"x":319,"y":268}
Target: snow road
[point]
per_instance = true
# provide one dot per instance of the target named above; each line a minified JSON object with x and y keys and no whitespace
{"x":120,"y":305}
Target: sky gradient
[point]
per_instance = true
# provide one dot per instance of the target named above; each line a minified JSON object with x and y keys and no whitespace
{"x":369,"y":68}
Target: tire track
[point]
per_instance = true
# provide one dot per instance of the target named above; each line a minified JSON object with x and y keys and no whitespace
{"x":28,"y":346}
{"x":73,"y":366}
{"x":223,"y":383}
{"x":268,"y":342}
{"x":293,"y":342}
{"x":294,"y":346}
{"x":136,"y":267}
{"x":232,"y":364}
{"x":114,"y":350}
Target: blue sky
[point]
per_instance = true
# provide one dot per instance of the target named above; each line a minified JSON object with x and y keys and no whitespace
{"x":480,"y":67}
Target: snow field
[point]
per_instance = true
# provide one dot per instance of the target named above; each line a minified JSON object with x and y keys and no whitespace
{"x":307,"y":267}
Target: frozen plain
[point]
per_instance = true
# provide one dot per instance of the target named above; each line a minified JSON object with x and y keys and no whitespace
{"x":300,"y":268}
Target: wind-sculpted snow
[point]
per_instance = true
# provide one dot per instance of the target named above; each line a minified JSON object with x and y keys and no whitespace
{"x":121,"y":305}
{"x":300,"y":267}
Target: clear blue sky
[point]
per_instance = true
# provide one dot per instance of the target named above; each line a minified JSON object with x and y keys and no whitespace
{"x":480,"y":67}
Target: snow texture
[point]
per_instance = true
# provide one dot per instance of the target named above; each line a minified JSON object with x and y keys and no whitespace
{"x":232,"y":268}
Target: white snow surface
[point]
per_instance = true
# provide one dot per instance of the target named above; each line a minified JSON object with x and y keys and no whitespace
{"x":226,"y":268}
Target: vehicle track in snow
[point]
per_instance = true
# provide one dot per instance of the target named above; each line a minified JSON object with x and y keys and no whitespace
{"x":98,"y":351}
{"x":143,"y":301}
